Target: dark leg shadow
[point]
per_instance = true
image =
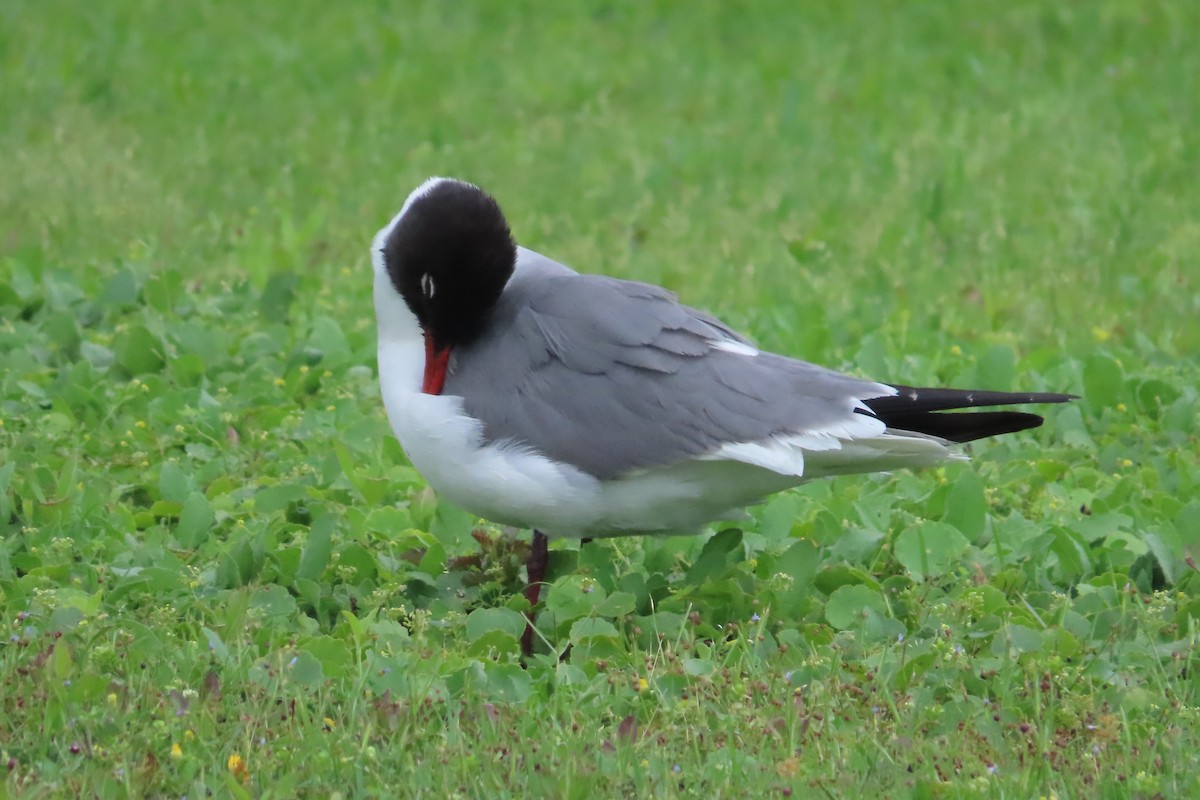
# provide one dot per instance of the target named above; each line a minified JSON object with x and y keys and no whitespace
{"x":539,"y":556}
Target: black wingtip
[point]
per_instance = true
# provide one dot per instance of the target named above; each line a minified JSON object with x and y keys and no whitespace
{"x":916,"y":409}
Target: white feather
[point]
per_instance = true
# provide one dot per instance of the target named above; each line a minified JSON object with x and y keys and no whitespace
{"x":734,"y":346}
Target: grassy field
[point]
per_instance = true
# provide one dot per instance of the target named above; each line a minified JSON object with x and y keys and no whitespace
{"x":219,"y":575}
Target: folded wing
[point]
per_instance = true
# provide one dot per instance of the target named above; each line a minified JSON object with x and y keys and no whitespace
{"x":613,"y":376}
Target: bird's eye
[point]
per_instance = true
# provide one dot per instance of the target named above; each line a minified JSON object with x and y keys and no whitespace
{"x":427,"y":287}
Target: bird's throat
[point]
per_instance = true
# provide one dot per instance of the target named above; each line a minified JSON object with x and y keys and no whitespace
{"x":437,"y":360}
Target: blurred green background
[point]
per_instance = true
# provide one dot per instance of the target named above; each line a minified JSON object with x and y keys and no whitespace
{"x":1020,"y":170}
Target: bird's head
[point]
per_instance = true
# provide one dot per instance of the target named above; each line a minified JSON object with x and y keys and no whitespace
{"x":448,"y":255}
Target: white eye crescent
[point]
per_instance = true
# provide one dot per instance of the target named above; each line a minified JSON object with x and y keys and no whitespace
{"x":427,"y":287}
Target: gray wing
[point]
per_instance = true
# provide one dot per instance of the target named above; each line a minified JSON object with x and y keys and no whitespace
{"x":613,"y":376}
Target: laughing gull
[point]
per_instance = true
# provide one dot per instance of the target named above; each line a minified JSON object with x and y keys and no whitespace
{"x":585,"y":406}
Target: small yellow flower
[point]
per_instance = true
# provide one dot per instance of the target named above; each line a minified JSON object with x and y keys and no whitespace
{"x":140,"y":424}
{"x":1125,"y":462}
{"x":1121,"y":407}
{"x":237,"y":765}
{"x":176,"y":750}
{"x":304,"y":369}
{"x":643,"y":684}
{"x":280,"y":382}
{"x":329,"y":408}
{"x":1099,"y":334}
{"x":188,"y":735}
{"x":112,"y":698}
{"x":329,"y":724}
{"x":955,"y":350}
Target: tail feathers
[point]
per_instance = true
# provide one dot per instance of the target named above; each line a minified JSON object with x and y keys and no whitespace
{"x":914,"y":409}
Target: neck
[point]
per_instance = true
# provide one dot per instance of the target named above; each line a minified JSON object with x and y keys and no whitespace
{"x":395,"y":321}
{"x":401,"y":345}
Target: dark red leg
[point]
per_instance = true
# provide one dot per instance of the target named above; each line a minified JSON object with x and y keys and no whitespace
{"x":539,"y":555}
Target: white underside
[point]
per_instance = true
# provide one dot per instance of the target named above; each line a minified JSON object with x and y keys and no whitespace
{"x":508,"y":483}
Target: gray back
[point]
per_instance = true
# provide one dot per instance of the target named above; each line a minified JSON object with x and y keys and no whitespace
{"x":613,"y":376}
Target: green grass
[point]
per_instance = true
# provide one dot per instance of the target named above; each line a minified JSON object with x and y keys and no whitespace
{"x":218,"y":573}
